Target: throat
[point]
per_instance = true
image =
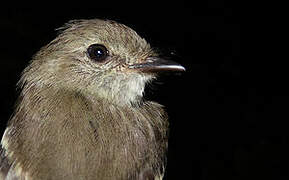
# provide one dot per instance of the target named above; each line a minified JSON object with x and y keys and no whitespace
{"x":122,"y":90}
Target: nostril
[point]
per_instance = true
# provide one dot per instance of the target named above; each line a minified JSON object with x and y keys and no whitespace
{"x":150,"y":59}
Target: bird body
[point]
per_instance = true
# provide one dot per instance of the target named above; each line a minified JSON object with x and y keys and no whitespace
{"x":80,"y":113}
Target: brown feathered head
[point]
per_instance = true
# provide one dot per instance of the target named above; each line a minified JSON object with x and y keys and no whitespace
{"x":97,"y":57}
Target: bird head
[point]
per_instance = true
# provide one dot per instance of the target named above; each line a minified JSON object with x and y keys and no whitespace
{"x":97,"y":57}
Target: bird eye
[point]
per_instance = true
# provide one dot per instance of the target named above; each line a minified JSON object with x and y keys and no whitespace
{"x":97,"y":52}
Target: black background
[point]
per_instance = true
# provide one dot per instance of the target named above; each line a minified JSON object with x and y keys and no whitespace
{"x":227,"y":111}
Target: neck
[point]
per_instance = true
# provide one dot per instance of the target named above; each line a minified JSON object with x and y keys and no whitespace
{"x":50,"y":126}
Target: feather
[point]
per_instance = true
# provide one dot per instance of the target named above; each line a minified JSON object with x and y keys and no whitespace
{"x":80,"y":119}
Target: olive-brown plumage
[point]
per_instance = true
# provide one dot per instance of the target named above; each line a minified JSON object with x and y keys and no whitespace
{"x":80,"y":113}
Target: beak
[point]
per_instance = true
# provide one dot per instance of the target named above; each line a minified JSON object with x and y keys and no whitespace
{"x":157,"y":64}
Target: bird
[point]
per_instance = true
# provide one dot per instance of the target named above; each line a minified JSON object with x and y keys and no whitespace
{"x":81,"y":112}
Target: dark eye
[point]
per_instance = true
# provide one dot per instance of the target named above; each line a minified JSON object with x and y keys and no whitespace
{"x":97,"y":52}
